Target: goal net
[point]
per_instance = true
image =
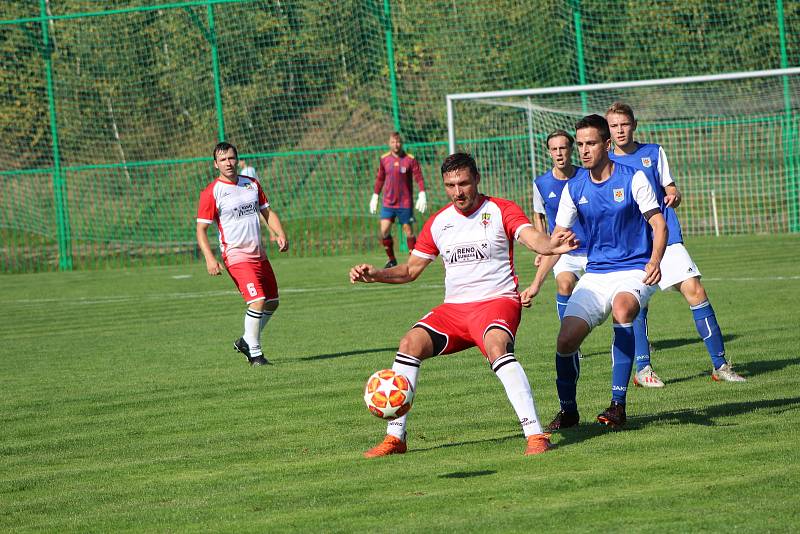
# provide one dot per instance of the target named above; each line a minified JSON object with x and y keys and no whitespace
{"x":732,"y":141}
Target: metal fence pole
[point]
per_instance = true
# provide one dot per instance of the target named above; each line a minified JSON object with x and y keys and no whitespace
{"x":59,"y":181}
{"x":215,"y":66}
{"x":787,"y":131}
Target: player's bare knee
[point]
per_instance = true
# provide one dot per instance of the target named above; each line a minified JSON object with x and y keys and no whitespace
{"x":497,"y":342}
{"x":567,"y":342}
{"x":271,"y":306}
{"x":572,"y":333}
{"x":693,"y":291}
{"x":418,"y":343}
{"x":257,"y":305}
{"x":565,"y":283}
{"x":624,"y":308}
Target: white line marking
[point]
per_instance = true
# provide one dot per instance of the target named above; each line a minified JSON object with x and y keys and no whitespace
{"x":185,"y":295}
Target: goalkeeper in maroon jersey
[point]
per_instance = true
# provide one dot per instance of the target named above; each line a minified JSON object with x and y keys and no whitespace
{"x":395,"y":172}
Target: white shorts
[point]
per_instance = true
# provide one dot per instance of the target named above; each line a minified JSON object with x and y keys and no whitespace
{"x":570,"y":263}
{"x":676,"y":266}
{"x":591,"y":300}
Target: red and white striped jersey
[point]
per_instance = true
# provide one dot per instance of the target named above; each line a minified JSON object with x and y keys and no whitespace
{"x":477,"y":249}
{"x":234,"y":208}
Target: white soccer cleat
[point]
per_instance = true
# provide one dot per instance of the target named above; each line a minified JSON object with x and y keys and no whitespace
{"x":647,"y":378}
{"x":726,"y":374}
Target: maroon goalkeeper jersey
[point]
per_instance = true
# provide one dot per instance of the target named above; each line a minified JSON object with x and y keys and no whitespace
{"x":394,"y":178}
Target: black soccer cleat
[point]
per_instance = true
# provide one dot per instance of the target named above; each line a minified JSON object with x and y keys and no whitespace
{"x":240,"y":345}
{"x":614,"y":416}
{"x":390,"y":263}
{"x":563,"y":420}
{"x":256,"y":361}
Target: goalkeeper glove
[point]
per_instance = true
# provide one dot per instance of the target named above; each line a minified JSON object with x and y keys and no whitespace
{"x":373,"y":203}
{"x":422,"y":202}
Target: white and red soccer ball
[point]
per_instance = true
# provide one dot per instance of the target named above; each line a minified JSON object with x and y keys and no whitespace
{"x":388,"y":394}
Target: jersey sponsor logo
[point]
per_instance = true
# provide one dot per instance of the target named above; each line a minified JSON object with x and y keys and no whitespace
{"x":551,"y":195}
{"x":646,"y":162}
{"x":486,"y":219}
{"x":619,"y":195}
{"x":467,"y":253}
{"x":245,"y":210}
{"x":583,"y":200}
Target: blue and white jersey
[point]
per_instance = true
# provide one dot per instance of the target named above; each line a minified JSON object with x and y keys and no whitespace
{"x":618,"y":237}
{"x":546,"y":196}
{"x":651,"y":159}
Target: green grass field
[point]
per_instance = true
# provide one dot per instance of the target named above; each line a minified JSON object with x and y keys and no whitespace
{"x":124,"y":408}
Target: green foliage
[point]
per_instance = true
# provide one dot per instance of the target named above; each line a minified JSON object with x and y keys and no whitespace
{"x":135,"y":84}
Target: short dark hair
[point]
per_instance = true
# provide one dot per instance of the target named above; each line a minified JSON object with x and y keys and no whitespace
{"x":224,"y":147}
{"x":595,"y":121}
{"x":559,"y":133}
{"x":457,"y":161}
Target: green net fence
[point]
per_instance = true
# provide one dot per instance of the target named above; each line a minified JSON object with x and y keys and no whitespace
{"x":108,"y":117}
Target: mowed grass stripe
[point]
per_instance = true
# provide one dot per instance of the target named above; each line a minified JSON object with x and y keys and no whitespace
{"x":137,"y":415}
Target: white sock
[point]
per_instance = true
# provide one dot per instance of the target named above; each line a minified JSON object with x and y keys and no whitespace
{"x":409,"y":367}
{"x":252,"y":331}
{"x":518,"y":390}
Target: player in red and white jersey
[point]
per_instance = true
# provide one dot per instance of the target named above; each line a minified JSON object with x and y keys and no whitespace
{"x":236,"y":203}
{"x":474,"y":235}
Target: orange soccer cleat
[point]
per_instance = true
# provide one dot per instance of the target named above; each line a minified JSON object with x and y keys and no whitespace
{"x":389,"y":445}
{"x":537,"y":444}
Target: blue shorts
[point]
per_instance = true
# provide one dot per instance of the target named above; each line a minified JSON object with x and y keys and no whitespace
{"x":404,"y":215}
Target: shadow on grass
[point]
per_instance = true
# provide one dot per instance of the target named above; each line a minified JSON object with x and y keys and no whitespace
{"x":745,"y":369}
{"x":664,"y":344}
{"x":347,"y":353}
{"x":702,"y":417}
{"x":502,"y":439}
{"x":765,"y":366}
{"x":468,"y":474}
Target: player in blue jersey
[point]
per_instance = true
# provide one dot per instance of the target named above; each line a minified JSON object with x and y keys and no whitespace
{"x":625,"y":240}
{"x":678,"y":271}
{"x":547,"y":189}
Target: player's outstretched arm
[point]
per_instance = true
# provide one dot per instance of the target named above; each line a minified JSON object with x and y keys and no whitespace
{"x":561,"y":241}
{"x":275,"y":227}
{"x":212,"y":265}
{"x":545,"y":266}
{"x":399,"y":274}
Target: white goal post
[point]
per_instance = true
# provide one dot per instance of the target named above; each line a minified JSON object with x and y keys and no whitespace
{"x":733,"y":140}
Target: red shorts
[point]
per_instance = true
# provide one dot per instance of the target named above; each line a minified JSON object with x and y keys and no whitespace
{"x":255,"y":280}
{"x":464,"y":325}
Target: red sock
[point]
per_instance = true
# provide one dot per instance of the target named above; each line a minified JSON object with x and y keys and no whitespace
{"x":388,"y":245}
{"x":411,"y":241}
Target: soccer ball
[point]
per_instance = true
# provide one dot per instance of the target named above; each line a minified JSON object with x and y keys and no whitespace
{"x":388,"y":394}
